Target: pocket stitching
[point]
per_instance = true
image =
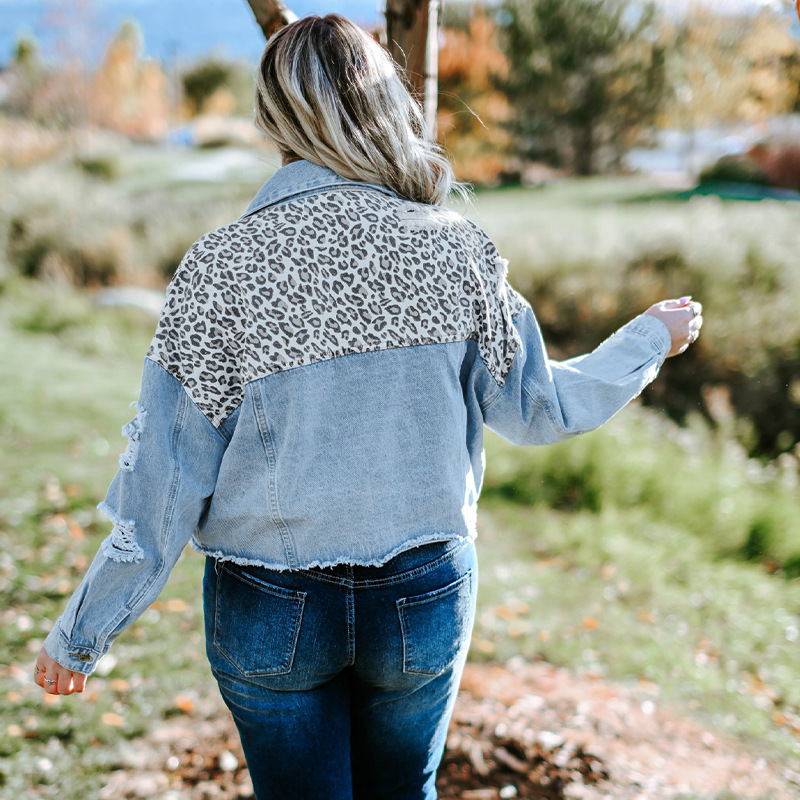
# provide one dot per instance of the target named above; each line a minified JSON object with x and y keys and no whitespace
{"x":295,"y":596}
{"x":419,"y":600}
{"x":434,"y":594}
{"x":267,"y":588}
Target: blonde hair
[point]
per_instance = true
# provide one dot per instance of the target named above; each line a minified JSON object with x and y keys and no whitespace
{"x":328,"y":93}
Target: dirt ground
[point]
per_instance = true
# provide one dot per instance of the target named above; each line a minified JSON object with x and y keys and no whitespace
{"x":519,"y":731}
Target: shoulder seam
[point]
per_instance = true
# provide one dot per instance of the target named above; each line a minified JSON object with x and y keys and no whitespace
{"x":192,"y":400}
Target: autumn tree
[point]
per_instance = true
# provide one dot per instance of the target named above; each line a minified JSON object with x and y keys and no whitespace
{"x":730,"y":68}
{"x":471,"y":108}
{"x":129,"y":93}
{"x":585,"y":78}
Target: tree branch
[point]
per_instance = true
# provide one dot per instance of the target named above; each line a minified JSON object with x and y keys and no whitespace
{"x":271,"y":15}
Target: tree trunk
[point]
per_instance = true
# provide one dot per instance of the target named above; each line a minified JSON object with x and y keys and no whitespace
{"x":431,"y":101}
{"x":271,"y":15}
{"x":584,"y":149}
{"x":412,"y":34}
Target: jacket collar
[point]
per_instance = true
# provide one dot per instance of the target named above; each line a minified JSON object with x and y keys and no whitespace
{"x":301,"y":178}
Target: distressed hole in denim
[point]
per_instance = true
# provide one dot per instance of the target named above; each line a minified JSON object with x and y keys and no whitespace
{"x":133,"y":430}
{"x":414,"y":218}
{"x":121,"y":546}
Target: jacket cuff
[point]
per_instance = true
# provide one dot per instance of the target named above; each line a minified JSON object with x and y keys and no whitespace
{"x":77,"y":658}
{"x":653,"y":329}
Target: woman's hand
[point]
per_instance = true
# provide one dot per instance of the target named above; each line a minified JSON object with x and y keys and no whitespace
{"x":54,"y":678}
{"x":683,"y":318}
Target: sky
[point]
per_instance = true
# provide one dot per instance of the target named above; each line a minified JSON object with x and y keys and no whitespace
{"x":186,"y":29}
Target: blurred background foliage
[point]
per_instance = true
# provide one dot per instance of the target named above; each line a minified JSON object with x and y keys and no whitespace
{"x":621,"y":152}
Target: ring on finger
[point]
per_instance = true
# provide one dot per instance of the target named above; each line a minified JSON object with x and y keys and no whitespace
{"x":50,"y":681}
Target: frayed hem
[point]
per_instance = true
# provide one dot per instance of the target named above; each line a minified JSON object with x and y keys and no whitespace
{"x":121,"y":545}
{"x":133,"y":430}
{"x":244,"y":561}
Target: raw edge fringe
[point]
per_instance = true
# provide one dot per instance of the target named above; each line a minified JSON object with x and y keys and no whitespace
{"x":121,"y":545}
{"x":324,"y":564}
{"x":133,"y":430}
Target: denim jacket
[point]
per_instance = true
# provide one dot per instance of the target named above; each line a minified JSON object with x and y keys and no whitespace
{"x":316,"y":390}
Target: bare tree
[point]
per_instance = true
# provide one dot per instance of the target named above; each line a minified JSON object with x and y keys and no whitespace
{"x":271,"y":15}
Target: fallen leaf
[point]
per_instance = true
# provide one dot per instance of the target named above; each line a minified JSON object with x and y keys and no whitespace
{"x":184,"y":703}
{"x":504,"y":612}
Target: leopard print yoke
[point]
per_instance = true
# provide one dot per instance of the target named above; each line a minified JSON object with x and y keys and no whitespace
{"x":346,"y":270}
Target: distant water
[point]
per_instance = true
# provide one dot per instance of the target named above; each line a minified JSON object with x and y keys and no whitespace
{"x":182,"y":29}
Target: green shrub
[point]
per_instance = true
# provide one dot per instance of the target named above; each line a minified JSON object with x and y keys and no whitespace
{"x":98,"y":167}
{"x":760,"y":537}
{"x":694,"y":479}
{"x":65,"y":224}
{"x":200,"y":82}
{"x":734,"y":169}
{"x":588,"y":258}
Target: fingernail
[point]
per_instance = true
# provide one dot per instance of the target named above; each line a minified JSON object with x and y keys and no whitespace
{"x":685,"y":300}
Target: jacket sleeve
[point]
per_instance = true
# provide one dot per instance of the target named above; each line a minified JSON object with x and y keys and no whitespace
{"x":543,"y":401}
{"x":527,"y":397}
{"x":154,"y":502}
{"x":166,"y":477}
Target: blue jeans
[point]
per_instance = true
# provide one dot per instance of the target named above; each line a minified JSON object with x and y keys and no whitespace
{"x":342,"y":680}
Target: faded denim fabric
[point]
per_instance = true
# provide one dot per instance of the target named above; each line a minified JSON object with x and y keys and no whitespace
{"x":348,"y":460}
{"x":376,"y":653}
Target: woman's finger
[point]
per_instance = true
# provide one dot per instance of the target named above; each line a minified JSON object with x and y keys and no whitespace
{"x":50,"y":682}
{"x":54,"y":678}
{"x":670,"y":305}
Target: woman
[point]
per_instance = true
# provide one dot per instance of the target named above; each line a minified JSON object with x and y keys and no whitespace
{"x":311,"y":416}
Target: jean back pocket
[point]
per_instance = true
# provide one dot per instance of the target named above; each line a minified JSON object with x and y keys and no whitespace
{"x":256,"y":624}
{"x":436,"y":626}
